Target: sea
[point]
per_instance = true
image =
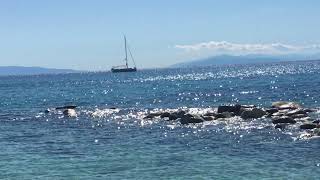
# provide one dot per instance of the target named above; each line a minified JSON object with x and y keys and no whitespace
{"x":110,"y":139}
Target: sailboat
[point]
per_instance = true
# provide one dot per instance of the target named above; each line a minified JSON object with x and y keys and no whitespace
{"x":125,"y":68}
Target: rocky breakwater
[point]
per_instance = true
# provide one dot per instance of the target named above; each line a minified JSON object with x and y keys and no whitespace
{"x":281,"y":114}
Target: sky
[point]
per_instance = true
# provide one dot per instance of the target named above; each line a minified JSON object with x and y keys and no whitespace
{"x":88,"y":34}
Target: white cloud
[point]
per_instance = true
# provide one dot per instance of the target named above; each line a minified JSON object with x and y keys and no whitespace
{"x":228,"y":47}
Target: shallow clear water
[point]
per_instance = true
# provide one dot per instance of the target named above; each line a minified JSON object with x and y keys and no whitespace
{"x":118,"y":144}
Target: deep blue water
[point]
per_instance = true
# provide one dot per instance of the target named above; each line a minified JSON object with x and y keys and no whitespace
{"x":118,"y":144}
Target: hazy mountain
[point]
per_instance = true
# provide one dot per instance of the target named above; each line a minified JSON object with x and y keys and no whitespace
{"x":19,"y":70}
{"x":246,"y":59}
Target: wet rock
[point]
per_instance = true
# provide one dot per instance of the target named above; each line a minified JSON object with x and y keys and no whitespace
{"x":309,"y":110}
{"x":210,"y":114}
{"x":272,"y":110}
{"x":283,"y":120}
{"x":47,"y":111}
{"x":165,"y":114}
{"x":66,"y":107}
{"x":280,"y":126}
{"x":316,"y":121}
{"x":207,"y":118}
{"x":70,"y":113}
{"x":298,"y":116}
{"x":306,"y":119}
{"x":113,"y":108}
{"x":254,"y":113}
{"x":224,"y":115}
{"x":150,"y":116}
{"x":296,"y":111}
{"x":308,"y":126}
{"x":235,"y":109}
{"x":176,"y":115}
{"x":153,"y":115}
{"x":278,"y":114}
{"x":194,"y":119}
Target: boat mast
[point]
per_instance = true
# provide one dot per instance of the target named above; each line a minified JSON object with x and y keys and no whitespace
{"x":125,"y":48}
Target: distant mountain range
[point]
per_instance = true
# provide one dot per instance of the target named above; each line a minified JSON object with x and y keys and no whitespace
{"x":245,"y":59}
{"x":19,"y":70}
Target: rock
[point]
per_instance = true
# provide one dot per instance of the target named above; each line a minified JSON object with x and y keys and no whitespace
{"x":149,"y":116}
{"x":207,"y":118}
{"x":308,"y":126}
{"x":210,"y":114}
{"x":176,"y":115}
{"x":285,"y":105}
{"x":280,"y":126}
{"x":66,"y":107}
{"x":47,"y":111}
{"x":306,"y":119}
{"x":235,"y":109}
{"x":153,"y":115}
{"x":298,"y":116}
{"x":272,"y":110}
{"x":309,"y":110}
{"x":284,"y":120}
{"x":296,"y":111}
{"x":193,"y":119}
{"x":278,"y":114}
{"x":70,"y":113}
{"x":165,"y":114}
{"x":316,"y":121}
{"x":224,"y":115}
{"x":254,"y":113}
{"x":113,"y":108}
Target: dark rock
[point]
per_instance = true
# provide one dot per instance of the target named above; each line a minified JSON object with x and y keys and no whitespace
{"x":316,"y":121}
{"x":207,"y":118}
{"x":176,"y":115}
{"x":70,"y":113}
{"x":272,"y":110}
{"x":254,"y":113}
{"x":149,"y":116}
{"x":66,"y":107}
{"x":308,"y":126}
{"x":235,"y":109}
{"x":47,"y":111}
{"x":210,"y":114}
{"x":280,"y":126}
{"x":194,"y":119}
{"x":113,"y":108}
{"x":296,"y":116}
{"x":309,"y":110}
{"x":165,"y":114}
{"x":284,"y":120}
{"x":224,"y":115}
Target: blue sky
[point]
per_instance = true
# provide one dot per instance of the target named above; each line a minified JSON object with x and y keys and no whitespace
{"x":87,"y":34}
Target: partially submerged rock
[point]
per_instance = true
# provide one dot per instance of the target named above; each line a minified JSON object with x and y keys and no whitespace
{"x":308,"y":126}
{"x":70,"y":113}
{"x":284,"y":120}
{"x":193,"y":119}
{"x":66,"y":107}
{"x":253,"y":113}
{"x":233,"y":108}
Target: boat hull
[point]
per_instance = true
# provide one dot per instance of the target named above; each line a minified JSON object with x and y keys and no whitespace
{"x":114,"y":70}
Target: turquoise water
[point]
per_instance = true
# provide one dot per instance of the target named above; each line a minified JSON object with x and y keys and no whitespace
{"x":104,"y":143}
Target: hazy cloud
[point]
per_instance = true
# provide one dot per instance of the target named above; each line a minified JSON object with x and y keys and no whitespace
{"x":224,"y":46}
